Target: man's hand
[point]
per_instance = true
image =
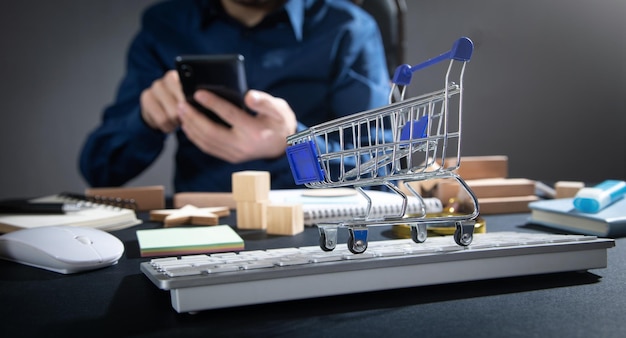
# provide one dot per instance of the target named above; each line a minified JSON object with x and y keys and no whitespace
{"x":250,"y":137}
{"x":160,"y":102}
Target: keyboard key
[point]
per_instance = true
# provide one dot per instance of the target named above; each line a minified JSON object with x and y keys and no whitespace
{"x":258,"y":265}
{"x":179,"y":272}
{"x":223,"y":268}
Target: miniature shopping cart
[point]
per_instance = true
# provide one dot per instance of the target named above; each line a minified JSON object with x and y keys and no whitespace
{"x":408,"y":140}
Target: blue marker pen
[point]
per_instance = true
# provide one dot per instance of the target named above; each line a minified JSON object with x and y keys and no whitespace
{"x":596,"y":198}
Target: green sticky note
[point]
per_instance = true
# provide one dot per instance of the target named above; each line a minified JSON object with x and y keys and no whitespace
{"x":186,"y":241}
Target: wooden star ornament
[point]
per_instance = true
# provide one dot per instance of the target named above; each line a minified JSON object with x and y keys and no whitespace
{"x":189,"y":214}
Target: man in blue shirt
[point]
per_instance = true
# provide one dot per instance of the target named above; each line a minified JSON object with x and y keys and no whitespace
{"x":307,"y":61}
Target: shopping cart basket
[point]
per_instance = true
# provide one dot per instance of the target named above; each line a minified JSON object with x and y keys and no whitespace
{"x":409,"y":140}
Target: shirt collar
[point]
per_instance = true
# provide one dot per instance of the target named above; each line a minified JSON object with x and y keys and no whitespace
{"x":295,"y":10}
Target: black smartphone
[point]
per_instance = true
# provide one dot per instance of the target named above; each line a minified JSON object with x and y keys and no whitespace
{"x":222,"y":74}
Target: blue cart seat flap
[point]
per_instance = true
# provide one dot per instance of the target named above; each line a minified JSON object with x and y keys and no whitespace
{"x":419,"y":129}
{"x":304,"y":163}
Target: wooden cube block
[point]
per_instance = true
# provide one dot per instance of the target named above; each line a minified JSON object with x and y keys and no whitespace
{"x":251,"y":186}
{"x":252,"y":215}
{"x":565,"y":189}
{"x":285,"y":219}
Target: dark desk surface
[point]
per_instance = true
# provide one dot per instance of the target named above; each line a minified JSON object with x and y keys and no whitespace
{"x":120,"y":300}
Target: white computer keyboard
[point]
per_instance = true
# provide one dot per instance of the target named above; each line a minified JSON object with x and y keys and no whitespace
{"x":202,"y":282}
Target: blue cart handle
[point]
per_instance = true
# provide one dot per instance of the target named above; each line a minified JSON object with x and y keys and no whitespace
{"x":461,"y":51}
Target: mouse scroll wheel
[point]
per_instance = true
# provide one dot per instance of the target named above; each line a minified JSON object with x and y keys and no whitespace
{"x":83,"y":239}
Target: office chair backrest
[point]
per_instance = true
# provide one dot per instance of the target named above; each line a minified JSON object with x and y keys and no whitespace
{"x":390,"y":16}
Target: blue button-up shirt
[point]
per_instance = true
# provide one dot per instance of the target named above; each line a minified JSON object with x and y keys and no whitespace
{"x":324,"y":57}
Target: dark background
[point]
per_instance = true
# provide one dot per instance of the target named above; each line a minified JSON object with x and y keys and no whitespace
{"x":546,"y":84}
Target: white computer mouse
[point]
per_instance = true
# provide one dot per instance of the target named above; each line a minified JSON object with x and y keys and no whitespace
{"x":63,"y":249}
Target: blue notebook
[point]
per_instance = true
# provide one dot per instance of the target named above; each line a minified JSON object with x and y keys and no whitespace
{"x":560,"y":214}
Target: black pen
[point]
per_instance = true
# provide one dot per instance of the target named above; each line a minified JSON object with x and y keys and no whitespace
{"x":26,"y":207}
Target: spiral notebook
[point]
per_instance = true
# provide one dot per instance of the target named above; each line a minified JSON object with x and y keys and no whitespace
{"x":93,"y":214}
{"x":330,"y":205}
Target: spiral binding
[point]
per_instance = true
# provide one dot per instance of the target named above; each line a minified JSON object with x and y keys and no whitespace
{"x":126,"y":203}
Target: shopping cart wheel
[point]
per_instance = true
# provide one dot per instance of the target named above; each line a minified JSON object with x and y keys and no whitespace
{"x":328,"y":239}
{"x":357,"y":240}
{"x":419,"y":233}
{"x":464,"y":233}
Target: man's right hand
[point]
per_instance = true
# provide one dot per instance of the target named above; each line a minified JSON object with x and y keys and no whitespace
{"x":159,"y":103}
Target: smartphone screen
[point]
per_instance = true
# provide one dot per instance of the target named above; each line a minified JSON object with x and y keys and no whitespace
{"x":222,"y":74}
